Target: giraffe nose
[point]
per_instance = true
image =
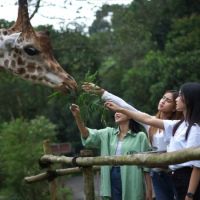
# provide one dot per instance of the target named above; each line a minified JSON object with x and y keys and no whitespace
{"x":69,"y":82}
{"x":67,"y":87}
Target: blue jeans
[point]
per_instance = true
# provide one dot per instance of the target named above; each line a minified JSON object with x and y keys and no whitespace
{"x":163,"y":186}
{"x":116,"y":184}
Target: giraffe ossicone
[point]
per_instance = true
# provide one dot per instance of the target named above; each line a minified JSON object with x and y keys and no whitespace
{"x":9,"y":41}
{"x":29,"y":55}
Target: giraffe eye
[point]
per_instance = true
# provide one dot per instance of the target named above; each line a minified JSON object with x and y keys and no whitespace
{"x":31,"y":51}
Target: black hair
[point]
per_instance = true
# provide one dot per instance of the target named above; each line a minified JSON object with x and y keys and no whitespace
{"x":190,"y":93}
{"x":134,"y":126}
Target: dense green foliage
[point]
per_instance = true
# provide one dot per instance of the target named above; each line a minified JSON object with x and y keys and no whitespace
{"x":147,"y":48}
{"x":21,"y":147}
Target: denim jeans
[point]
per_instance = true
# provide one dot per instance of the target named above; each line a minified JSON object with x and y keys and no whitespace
{"x":163,"y":186}
{"x":116,"y":185}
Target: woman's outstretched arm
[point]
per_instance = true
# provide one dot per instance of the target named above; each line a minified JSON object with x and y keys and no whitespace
{"x":137,"y":116}
{"x":107,"y":96}
{"x":80,"y":123}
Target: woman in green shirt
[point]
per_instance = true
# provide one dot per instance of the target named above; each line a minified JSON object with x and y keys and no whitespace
{"x":118,"y":182}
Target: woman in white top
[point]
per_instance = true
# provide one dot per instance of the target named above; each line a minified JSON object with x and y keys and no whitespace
{"x":162,"y":183}
{"x":181,"y":134}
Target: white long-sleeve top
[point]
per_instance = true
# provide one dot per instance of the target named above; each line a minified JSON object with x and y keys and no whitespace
{"x":159,"y":142}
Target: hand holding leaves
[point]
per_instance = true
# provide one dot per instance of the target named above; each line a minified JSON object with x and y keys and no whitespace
{"x":92,"y":88}
{"x":112,"y":106}
{"x":75,"y":110}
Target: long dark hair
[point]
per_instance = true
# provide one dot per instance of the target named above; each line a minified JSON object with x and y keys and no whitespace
{"x":174,"y":114}
{"x":190,"y":94}
{"x":134,"y":126}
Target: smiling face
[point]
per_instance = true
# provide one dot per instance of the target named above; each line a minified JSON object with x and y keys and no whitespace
{"x":167,"y":103}
{"x":121,"y":118}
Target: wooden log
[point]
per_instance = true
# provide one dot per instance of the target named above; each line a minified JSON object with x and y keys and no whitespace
{"x":88,"y":177}
{"x":59,"y":172}
{"x":52,"y":183}
{"x":147,"y":159}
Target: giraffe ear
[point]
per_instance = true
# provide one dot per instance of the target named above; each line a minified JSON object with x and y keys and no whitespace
{"x":10,"y":40}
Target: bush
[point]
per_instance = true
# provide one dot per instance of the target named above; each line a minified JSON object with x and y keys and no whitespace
{"x":21,"y":147}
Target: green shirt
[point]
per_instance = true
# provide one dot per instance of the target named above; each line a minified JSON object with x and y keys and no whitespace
{"x":133,"y":185}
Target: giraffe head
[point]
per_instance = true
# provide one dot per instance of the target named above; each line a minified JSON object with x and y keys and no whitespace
{"x":29,"y":55}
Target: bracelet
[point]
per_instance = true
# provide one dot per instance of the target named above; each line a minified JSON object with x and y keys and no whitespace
{"x":190,"y":195}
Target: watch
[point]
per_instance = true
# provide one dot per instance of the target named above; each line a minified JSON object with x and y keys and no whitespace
{"x":190,"y":195}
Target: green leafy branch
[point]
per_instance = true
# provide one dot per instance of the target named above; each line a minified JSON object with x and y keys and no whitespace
{"x":90,"y":104}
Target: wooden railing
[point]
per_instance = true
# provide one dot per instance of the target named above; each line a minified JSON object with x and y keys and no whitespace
{"x":87,"y":164}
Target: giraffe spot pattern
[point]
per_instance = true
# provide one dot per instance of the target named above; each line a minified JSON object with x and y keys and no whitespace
{"x":39,"y":69}
{"x":6,"y":63}
{"x":21,"y":70}
{"x":30,"y":67}
{"x":16,"y":51}
{"x":33,"y":77}
{"x":40,"y":79}
{"x":15,"y":61}
{"x":13,"y":64}
{"x":20,"y":61}
{"x":26,"y":76}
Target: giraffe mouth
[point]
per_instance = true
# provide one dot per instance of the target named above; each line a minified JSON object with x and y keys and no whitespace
{"x":63,"y":88}
{"x":62,"y":84}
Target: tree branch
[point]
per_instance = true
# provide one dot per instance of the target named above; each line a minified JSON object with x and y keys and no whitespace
{"x":37,"y":6}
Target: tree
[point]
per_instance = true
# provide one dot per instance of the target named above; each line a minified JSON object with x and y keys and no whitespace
{"x":180,"y":60}
{"x":183,"y":51}
{"x":21,"y":146}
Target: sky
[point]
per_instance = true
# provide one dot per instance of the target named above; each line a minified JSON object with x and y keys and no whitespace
{"x":59,"y":13}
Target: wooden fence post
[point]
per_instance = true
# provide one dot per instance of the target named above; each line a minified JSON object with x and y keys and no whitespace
{"x":88,"y":177}
{"x":52,"y":184}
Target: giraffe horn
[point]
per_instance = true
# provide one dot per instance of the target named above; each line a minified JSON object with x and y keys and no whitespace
{"x":23,"y":24}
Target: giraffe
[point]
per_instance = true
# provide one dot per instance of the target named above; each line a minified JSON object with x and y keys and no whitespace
{"x":28,"y":54}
